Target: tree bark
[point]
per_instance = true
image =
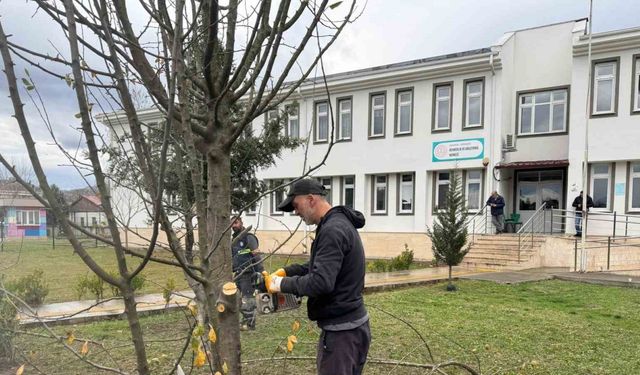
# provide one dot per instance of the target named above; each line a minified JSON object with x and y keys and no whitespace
{"x":136,"y":330}
{"x":219,"y":265}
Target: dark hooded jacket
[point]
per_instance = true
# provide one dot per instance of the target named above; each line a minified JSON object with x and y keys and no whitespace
{"x":333,"y":279}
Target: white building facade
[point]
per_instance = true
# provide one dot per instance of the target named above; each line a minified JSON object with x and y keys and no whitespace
{"x":510,"y":117}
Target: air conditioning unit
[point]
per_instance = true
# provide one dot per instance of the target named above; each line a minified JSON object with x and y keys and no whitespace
{"x":510,"y":141}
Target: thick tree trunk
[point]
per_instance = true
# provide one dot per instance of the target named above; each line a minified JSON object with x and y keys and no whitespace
{"x":219,"y":265}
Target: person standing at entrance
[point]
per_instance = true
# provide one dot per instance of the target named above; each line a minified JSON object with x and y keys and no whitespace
{"x":577,"y":204}
{"x":496,"y":202}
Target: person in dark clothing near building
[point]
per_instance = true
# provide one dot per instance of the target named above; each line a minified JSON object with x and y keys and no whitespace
{"x":496,"y":202}
{"x":333,"y":279}
{"x":577,"y":204}
{"x":246,"y":262}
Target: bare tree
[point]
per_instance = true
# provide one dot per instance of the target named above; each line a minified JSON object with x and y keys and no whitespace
{"x":210,"y":69}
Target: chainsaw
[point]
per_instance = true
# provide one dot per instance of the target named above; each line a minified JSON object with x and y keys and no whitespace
{"x":268,"y":303}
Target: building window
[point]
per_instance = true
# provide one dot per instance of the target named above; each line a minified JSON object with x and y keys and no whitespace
{"x":344,"y":119}
{"x":271,"y":115}
{"x":600,"y":185}
{"x":252,"y":209}
{"x":380,"y":194}
{"x":277,"y":196}
{"x":543,"y":112}
{"x":405,"y":193}
{"x":442,"y":106}
{"x":322,"y":122}
{"x":473,"y":98}
{"x":634,"y":187}
{"x":442,"y":187}
{"x":377,"y":107}
{"x":326,"y":182}
{"x":293,"y":121}
{"x":404,"y":111}
{"x":473,"y":188}
{"x":348,"y":191}
{"x":604,"y":87}
{"x":82,"y":222}
{"x":27,"y":217}
{"x":636,"y":84}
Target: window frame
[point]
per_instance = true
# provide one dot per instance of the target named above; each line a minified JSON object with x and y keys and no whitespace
{"x":465,"y":103}
{"x":370,"y":134}
{"x":635,"y":84}
{"x":616,"y":88}
{"x":32,"y":216}
{"x":340,"y":137}
{"x":399,"y":183}
{"x":434,"y":107}
{"x":287,"y":129}
{"x":268,"y":114}
{"x":316,"y":114}
{"x":630,"y":175}
{"x":436,"y":188}
{"x":329,"y":189}
{"x":343,"y":187}
{"x":396,"y":128}
{"x":610,"y":180}
{"x":465,"y":187}
{"x":273,"y":199}
{"x":567,"y":104}
{"x":374,"y":185}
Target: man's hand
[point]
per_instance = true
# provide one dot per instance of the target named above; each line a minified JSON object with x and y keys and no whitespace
{"x":272,"y":282}
{"x":280,"y":272}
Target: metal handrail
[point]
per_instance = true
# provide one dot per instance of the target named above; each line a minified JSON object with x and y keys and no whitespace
{"x":624,"y":220}
{"x":604,"y":243}
{"x":542,"y":206}
{"x":481,"y":213}
{"x":523,"y":234}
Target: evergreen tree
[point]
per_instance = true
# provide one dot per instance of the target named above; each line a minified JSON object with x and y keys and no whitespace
{"x":449,"y":233}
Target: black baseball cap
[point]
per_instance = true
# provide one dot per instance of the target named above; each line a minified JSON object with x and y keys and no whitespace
{"x":301,"y":187}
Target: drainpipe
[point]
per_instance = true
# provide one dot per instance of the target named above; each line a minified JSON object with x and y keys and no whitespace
{"x":492,"y":116}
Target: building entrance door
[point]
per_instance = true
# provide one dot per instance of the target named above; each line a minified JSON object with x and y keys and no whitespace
{"x":535,"y":188}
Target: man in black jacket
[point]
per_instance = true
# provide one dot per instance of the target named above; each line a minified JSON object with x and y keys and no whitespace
{"x":246,"y":261}
{"x":577,"y":204}
{"x":333,"y":279}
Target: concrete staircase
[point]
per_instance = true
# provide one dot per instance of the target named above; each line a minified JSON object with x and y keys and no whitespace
{"x":500,"y":252}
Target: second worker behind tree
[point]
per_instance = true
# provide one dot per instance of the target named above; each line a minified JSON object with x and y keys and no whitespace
{"x":245,"y":263}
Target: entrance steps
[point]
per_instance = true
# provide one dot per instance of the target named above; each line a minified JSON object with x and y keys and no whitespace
{"x":500,"y":252}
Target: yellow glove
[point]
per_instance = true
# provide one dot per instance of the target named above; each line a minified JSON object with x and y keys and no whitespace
{"x":272,"y":282}
{"x":280,"y":272}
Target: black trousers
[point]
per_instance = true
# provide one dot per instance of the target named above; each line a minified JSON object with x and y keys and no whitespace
{"x":343,"y":352}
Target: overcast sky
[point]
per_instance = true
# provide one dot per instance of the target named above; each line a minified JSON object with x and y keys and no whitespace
{"x":387,"y":32}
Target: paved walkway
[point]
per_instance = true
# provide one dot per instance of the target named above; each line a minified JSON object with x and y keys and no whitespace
{"x":86,"y":311}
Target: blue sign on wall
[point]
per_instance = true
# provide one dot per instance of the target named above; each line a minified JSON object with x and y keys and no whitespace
{"x":461,"y":149}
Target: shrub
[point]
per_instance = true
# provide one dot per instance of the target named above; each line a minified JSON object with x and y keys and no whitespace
{"x":8,"y":326}
{"x":168,"y":289}
{"x":31,"y":288}
{"x":402,"y":261}
{"x":378,"y":265}
{"x":90,"y":284}
{"x":137,"y":283}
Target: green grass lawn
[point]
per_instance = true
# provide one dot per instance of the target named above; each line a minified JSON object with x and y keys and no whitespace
{"x":550,"y":327}
{"x":62,"y":267}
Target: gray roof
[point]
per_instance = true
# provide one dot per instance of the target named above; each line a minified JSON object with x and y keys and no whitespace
{"x":403,"y":64}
